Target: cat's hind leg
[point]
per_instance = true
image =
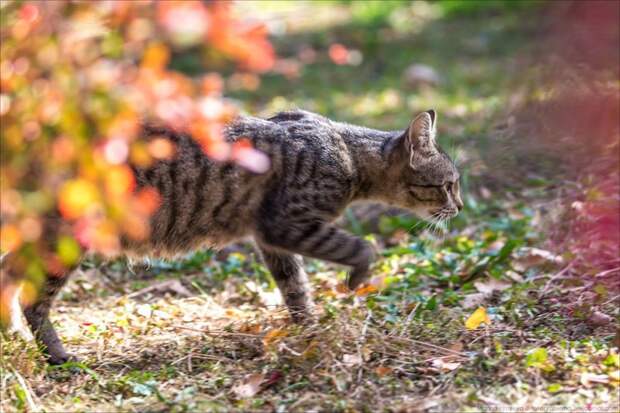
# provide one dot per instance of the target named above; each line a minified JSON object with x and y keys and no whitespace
{"x":37,"y":315}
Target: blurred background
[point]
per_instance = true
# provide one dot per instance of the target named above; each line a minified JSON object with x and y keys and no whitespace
{"x":527,"y":100}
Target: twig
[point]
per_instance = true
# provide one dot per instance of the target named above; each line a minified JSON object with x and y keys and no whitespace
{"x":432,"y":346}
{"x":174,"y":286}
{"x":198,"y":356}
{"x":441,"y":358}
{"x":409,"y":319}
{"x":604,"y":273}
{"x":290,"y":350}
{"x":554,"y":277}
{"x":611,"y":299}
{"x":32,"y":405}
{"x":301,"y":400}
{"x":360,"y":343}
{"x":217,"y":332}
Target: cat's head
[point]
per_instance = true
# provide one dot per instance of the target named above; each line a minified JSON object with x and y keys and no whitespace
{"x":426,"y":180}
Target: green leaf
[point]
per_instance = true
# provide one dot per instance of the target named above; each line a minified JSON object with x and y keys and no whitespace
{"x":538,"y":358}
{"x":68,"y":250}
{"x":142,"y":389}
{"x":431,"y":304}
{"x":613,"y":360}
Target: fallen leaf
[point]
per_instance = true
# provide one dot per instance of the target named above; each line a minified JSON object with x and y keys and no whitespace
{"x":144,"y":310}
{"x":589,"y":379}
{"x":171,"y":286}
{"x":268,"y":298}
{"x":365,"y":290}
{"x":473,"y":300}
{"x":533,"y":257}
{"x":383,"y":371}
{"x":485,"y":192}
{"x":598,"y":319}
{"x":491,"y":285}
{"x":161,"y":314}
{"x":311,"y":351}
{"x":271,"y":378}
{"x":274,"y":336}
{"x":250,"y":386}
{"x":378,"y":281}
{"x":445,"y":365}
{"x":486,"y":288}
{"x":478,"y":317}
{"x":250,"y":328}
{"x":351,"y":359}
{"x":514,"y":276}
{"x":539,"y":358}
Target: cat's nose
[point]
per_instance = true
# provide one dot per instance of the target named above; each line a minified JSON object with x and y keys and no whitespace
{"x":459,"y":205}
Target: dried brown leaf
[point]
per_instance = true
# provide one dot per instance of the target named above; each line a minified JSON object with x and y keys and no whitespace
{"x":491,"y":285}
{"x":382,"y":371}
{"x":250,"y":386}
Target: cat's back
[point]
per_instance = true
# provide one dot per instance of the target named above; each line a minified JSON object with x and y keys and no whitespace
{"x":294,"y":137}
{"x":286,"y":127}
{"x":312,"y":168}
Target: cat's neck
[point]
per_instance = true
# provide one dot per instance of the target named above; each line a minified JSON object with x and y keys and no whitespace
{"x":370,"y":150}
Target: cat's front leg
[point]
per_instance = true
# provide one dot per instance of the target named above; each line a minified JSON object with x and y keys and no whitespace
{"x":325,"y":241}
{"x":288,"y":273}
{"x":361,"y":272}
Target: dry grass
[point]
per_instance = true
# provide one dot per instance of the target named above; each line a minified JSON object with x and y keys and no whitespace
{"x":233,"y":349}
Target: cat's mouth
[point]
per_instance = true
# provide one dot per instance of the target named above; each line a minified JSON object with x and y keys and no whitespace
{"x":442,"y":214}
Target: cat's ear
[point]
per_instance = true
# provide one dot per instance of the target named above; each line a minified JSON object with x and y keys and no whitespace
{"x":421,"y":132}
{"x":422,"y":129}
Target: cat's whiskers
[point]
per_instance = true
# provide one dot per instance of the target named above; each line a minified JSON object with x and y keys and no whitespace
{"x":416,"y":225}
{"x":439,"y":222}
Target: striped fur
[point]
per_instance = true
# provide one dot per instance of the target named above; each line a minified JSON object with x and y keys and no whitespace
{"x":318,"y":167}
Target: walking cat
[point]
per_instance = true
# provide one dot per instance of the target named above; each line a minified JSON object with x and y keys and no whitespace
{"x":318,"y":167}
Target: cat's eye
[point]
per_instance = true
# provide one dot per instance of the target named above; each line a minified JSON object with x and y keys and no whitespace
{"x":447,"y":185}
{"x":427,"y":186}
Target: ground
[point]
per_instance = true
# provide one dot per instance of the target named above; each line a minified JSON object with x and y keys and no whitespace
{"x":495,"y":311}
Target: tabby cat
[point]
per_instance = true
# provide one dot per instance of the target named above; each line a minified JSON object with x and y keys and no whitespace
{"x":318,"y":167}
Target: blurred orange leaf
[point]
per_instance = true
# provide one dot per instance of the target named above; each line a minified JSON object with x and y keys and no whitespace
{"x":76,"y":196}
{"x":147,"y":200}
{"x":338,"y":54}
{"x":119,"y":181}
{"x":383,"y":371}
{"x":10,"y":238}
{"x":161,"y":148}
{"x":365,"y":290}
{"x":273,"y":336}
{"x":156,"y":56}
{"x":342,"y":288}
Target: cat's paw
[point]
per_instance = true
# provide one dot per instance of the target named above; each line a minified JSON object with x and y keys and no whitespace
{"x":61,"y":358}
{"x":361,"y":272}
{"x":357,"y":277}
{"x":304,"y":317}
{"x":300,"y":307}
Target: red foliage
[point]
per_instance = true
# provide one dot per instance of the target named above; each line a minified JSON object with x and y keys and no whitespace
{"x":76,"y":79}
